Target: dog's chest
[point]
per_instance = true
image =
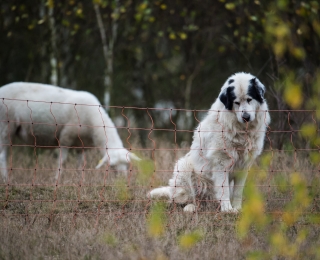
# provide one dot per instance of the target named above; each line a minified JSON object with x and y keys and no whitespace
{"x":243,"y":144}
{"x":241,"y":141}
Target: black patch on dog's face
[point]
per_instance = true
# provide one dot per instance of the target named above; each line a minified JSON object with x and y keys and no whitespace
{"x":256,"y":91}
{"x":230,"y":81}
{"x":227,"y":97}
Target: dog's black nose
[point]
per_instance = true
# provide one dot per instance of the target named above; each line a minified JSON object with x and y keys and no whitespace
{"x":246,"y":117}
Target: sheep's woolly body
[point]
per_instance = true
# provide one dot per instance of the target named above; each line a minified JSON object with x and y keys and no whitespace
{"x":47,"y":115}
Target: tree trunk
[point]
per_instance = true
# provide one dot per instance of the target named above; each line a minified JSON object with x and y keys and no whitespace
{"x":53,"y":41}
{"x":108,"y":49}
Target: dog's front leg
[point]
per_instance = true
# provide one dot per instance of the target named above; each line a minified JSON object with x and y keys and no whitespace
{"x":239,"y":183}
{"x":222,"y":191}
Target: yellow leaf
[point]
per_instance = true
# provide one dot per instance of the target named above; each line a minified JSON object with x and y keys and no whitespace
{"x":79,"y":11}
{"x":279,"y":48}
{"x":315,"y":157}
{"x":161,"y":257}
{"x":109,"y":239}
{"x":299,"y":53}
{"x":172,"y":36}
{"x":316,"y":26}
{"x":189,"y":240}
{"x":309,"y":130}
{"x":243,"y":224}
{"x":293,"y":96}
{"x":302,"y":235}
{"x":143,"y":6}
{"x":146,"y":170}
{"x":163,"y":7}
{"x":281,"y":31}
{"x":156,"y":220}
{"x":288,"y":218}
{"x":230,"y":6}
{"x":183,"y":36}
{"x":122,"y":192}
{"x":281,"y":183}
{"x":282,"y":4}
{"x":50,"y":3}
{"x":314,"y":219}
{"x":266,"y":160}
{"x":257,"y":206}
{"x":296,"y":179}
{"x":222,"y":49}
{"x":278,"y":241}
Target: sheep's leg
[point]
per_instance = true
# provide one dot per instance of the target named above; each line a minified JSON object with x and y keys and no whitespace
{"x":82,"y":160}
{"x":3,"y":163}
{"x":122,"y":169}
{"x":81,"y":164}
{"x":61,"y":159}
{"x":66,"y":138}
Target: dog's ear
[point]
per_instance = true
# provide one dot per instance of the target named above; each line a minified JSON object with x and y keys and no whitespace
{"x":227,"y":97}
{"x":256,"y":90}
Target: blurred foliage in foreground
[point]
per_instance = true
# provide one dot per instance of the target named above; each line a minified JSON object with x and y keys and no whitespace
{"x":299,"y":90}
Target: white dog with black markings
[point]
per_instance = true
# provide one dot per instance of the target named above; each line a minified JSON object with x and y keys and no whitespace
{"x":227,"y":140}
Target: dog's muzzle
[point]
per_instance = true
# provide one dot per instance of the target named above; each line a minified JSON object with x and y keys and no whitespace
{"x":246,"y":117}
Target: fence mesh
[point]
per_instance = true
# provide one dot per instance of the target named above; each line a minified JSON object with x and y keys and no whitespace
{"x":42,"y":183}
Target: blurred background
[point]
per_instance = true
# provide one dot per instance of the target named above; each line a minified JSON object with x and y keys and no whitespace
{"x":166,"y":54}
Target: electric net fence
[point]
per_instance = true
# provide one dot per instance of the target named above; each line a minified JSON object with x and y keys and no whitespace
{"x":157,"y":136}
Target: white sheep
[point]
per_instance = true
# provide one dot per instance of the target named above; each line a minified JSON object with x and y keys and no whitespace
{"x":45,"y":115}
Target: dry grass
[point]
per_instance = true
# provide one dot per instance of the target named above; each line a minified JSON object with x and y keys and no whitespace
{"x":97,"y":214}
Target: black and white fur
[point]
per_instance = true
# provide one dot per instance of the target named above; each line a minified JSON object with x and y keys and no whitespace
{"x":227,"y":140}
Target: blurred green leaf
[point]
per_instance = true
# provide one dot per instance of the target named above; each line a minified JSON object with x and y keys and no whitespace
{"x":190,"y":239}
{"x":156,"y":220}
{"x":230,"y":6}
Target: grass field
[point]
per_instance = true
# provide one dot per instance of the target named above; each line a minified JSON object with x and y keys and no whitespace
{"x":99,"y":214}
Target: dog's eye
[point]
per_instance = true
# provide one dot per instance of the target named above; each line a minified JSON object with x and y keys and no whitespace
{"x":249,"y":99}
{"x":237,"y":103}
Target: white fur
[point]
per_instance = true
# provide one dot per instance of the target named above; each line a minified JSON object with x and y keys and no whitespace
{"x":59,"y":120}
{"x":190,"y":208}
{"x":223,"y":144}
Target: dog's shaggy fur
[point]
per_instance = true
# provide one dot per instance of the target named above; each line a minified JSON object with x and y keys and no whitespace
{"x":227,"y":140}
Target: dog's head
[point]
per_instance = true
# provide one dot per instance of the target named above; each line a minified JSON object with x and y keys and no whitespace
{"x":243,"y":94}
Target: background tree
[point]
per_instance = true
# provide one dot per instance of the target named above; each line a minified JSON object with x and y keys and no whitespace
{"x":165,"y":53}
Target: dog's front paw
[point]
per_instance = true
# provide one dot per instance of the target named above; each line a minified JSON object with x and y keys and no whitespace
{"x":227,"y":208}
{"x":159,"y":193}
{"x":190,"y":208}
{"x":237,"y":208}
